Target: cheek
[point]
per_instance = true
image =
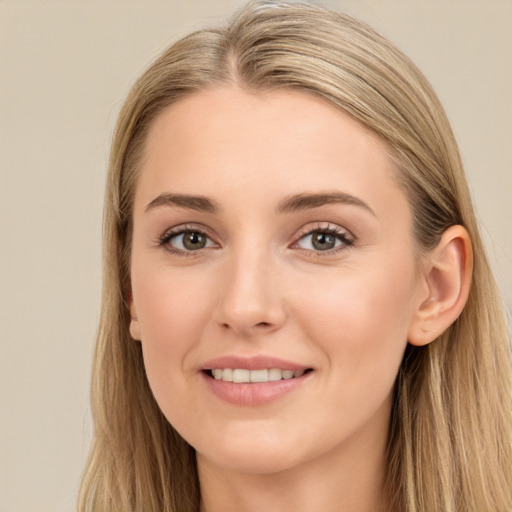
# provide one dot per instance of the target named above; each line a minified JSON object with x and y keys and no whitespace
{"x":170,"y":304}
{"x":171,"y":311}
{"x":360,"y":322}
{"x":361,"y":319}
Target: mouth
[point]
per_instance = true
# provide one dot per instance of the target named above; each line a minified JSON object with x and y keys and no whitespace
{"x":254,"y":381}
{"x":246,"y":376}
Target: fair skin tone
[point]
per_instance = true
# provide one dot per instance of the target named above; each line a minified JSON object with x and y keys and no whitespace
{"x":270,"y":226}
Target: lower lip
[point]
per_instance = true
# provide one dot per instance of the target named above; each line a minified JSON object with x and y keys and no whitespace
{"x":253,"y":394}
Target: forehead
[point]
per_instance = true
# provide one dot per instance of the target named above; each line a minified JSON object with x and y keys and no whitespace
{"x":236,"y":143}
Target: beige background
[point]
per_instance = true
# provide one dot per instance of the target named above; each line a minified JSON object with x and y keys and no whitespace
{"x":64,"y":70}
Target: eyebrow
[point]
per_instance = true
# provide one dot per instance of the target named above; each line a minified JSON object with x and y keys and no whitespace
{"x":308,"y":201}
{"x":197,"y":203}
{"x":298,"y":202}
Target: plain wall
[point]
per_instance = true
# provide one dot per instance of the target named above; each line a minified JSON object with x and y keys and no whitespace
{"x":65,"y":68}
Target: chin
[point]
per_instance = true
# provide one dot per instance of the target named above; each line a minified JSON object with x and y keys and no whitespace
{"x":251,"y":454}
{"x":262,"y":463}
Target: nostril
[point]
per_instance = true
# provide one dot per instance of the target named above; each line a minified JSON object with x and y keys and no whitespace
{"x":260,"y":324}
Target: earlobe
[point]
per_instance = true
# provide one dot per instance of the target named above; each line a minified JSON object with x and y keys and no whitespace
{"x":447,"y":277}
{"x":135,"y":329}
{"x":134,"y":322}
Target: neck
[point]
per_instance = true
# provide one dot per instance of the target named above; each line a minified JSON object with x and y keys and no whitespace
{"x":349,"y":478}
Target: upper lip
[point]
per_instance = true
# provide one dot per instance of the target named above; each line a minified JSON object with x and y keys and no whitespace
{"x":260,"y":362}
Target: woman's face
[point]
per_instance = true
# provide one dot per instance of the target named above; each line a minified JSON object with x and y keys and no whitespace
{"x":270,"y":239}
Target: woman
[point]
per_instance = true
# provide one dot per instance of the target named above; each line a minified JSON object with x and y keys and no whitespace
{"x":297,"y":308}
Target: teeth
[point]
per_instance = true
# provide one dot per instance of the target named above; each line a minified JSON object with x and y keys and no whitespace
{"x":258,"y":375}
{"x":241,"y":375}
{"x":227,"y":374}
{"x":274,"y":374}
{"x":217,"y":374}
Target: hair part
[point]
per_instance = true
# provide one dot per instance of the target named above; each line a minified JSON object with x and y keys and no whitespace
{"x":450,"y":440}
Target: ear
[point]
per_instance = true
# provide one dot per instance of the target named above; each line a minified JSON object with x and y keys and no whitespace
{"x":447,"y":276}
{"x":134,"y":322}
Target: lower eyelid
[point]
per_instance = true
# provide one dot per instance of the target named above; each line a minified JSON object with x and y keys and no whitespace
{"x":344,"y":240}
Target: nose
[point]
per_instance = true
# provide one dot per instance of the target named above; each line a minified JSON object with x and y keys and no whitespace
{"x":251,"y":300}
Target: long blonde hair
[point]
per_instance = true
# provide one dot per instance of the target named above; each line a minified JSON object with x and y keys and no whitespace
{"x":450,"y":435}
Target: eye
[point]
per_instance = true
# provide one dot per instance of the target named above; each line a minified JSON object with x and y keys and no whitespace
{"x":186,"y":240}
{"x":325,"y":239}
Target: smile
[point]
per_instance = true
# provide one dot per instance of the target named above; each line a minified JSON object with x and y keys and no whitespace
{"x":242,"y":375}
{"x":255,"y":381}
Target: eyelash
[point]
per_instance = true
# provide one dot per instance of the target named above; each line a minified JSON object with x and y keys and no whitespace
{"x":346,"y":239}
{"x":340,"y":234}
{"x":163,"y":241}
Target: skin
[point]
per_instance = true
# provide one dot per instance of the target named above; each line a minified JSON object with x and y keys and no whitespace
{"x":259,"y":286}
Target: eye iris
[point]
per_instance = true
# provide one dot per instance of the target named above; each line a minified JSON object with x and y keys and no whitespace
{"x":194,"y":241}
{"x":323,"y":241}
